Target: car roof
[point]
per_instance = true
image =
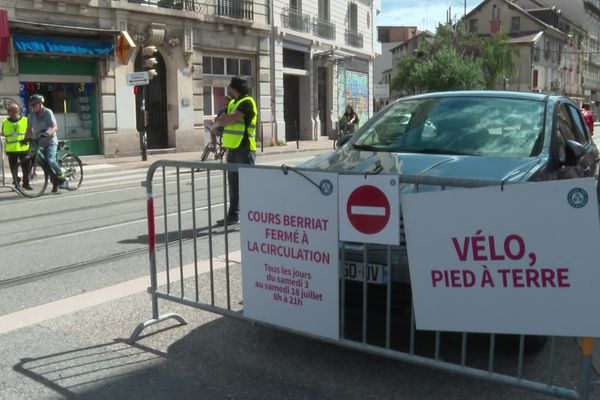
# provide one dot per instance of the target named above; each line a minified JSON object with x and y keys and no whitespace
{"x":487,"y":93}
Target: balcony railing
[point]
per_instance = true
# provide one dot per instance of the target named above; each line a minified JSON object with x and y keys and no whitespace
{"x":324,"y":29}
{"x":187,"y":5}
{"x":354,"y":38}
{"x":240,"y":9}
{"x":295,"y":20}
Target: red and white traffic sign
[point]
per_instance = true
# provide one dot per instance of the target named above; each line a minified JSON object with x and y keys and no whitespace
{"x":369,"y":209}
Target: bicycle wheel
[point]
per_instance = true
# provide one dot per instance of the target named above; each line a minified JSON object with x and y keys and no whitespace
{"x":38,"y":180}
{"x":72,"y":168}
{"x":205,"y":153}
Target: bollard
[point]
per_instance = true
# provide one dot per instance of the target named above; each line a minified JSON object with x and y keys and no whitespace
{"x":585,"y":373}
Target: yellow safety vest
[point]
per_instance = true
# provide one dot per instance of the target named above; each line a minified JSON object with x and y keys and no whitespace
{"x":14,"y":133}
{"x":234,"y":133}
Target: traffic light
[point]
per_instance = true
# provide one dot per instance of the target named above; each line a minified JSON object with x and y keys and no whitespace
{"x":149,"y":61}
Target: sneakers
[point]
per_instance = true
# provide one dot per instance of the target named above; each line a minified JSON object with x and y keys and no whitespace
{"x":27,"y":186}
{"x":231,"y":220}
{"x":63,"y":185}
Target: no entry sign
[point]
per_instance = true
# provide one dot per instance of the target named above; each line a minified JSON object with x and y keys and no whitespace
{"x":369,"y":209}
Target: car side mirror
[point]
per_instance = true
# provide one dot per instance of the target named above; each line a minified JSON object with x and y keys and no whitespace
{"x":342,"y":140}
{"x":574,"y":152}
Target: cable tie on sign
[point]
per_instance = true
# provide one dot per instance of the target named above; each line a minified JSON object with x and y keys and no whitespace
{"x":502,"y":184}
{"x":287,"y":168}
{"x":376,"y":171}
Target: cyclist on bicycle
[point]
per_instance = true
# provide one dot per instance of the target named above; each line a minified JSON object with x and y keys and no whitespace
{"x":42,"y":126}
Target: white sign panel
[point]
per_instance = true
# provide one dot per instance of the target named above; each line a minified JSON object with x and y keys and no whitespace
{"x":289,"y":240}
{"x":523,"y":260}
{"x":369,"y":209}
{"x":138,"y":78}
{"x":381,"y":91}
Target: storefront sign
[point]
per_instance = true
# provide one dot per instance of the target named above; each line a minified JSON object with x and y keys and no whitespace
{"x":125,"y":47}
{"x":4,"y":36}
{"x":523,"y":260}
{"x":369,"y":209}
{"x":289,"y":242}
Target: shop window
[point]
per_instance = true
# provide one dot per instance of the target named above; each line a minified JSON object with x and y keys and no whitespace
{"x":226,"y":66}
{"x":245,"y":67}
{"x":218,"y":66}
{"x":233,"y":67}
{"x":74,"y":106}
{"x":206,"y":65}
{"x":213,"y":99}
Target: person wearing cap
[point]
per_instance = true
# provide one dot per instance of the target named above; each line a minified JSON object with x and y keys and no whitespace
{"x":42,"y":126}
{"x":239,"y":138}
{"x":14,"y":129}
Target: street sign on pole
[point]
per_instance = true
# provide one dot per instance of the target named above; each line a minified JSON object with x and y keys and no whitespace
{"x":138,"y":78}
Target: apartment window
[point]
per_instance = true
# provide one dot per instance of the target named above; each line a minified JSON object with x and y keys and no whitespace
{"x":324,"y":10}
{"x":226,"y":66}
{"x":515,"y":24}
{"x":534,"y":80}
{"x":353,"y":17}
{"x":295,"y":5}
{"x":473,"y":25}
{"x":547,"y":50}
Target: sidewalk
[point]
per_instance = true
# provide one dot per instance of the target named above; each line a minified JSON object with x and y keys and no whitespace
{"x":136,"y":161}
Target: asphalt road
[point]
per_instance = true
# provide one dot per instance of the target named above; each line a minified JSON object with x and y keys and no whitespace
{"x":69,"y":245}
{"x":60,"y":245}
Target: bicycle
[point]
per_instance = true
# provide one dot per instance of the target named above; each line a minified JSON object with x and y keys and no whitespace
{"x":217,"y":149}
{"x":40,"y":171}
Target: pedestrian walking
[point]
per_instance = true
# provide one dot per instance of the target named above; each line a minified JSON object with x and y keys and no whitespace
{"x":43,"y":126}
{"x":349,"y":121}
{"x":588,"y":116}
{"x":239,"y":138}
{"x":14,"y":129}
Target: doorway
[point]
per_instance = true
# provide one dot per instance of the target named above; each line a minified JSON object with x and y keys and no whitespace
{"x":322,"y":99}
{"x":291,"y":107}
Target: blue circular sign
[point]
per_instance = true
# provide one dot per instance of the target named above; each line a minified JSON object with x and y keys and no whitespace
{"x":326,"y":187}
{"x":577,"y":198}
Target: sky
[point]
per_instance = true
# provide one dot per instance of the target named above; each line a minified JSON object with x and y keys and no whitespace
{"x":421,"y":13}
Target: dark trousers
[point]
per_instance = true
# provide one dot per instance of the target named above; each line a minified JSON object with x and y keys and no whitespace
{"x":237,"y":156}
{"x":13,"y":159}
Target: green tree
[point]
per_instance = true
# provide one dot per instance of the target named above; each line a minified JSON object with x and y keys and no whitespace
{"x":455,"y":60}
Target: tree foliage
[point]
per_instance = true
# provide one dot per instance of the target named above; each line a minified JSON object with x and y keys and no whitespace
{"x":455,"y":60}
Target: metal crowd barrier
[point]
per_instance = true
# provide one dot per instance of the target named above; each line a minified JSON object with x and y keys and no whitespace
{"x":380,"y":322}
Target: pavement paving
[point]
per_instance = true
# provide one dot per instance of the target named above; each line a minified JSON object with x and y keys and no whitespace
{"x":152,"y":155}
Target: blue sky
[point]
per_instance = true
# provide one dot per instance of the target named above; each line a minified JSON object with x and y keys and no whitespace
{"x":420,"y":13}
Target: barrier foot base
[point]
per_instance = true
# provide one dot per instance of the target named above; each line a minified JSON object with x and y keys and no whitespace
{"x":136,"y":333}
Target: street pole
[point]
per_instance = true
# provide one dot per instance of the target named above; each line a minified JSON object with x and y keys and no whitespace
{"x":144,"y":124}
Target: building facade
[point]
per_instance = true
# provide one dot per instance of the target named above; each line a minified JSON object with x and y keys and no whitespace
{"x":65,"y":50}
{"x":547,"y":59}
{"x":322,"y":60}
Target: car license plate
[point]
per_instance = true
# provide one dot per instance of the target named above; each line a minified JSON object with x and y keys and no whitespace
{"x":376,"y":273}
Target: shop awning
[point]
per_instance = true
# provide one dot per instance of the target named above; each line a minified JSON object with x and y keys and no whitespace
{"x":62,"y":45}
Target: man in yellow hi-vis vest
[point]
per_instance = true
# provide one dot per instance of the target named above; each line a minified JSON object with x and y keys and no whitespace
{"x":239,"y":138}
{"x":14,"y":129}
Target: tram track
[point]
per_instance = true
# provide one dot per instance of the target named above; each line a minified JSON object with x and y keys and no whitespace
{"x":79,"y":266}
